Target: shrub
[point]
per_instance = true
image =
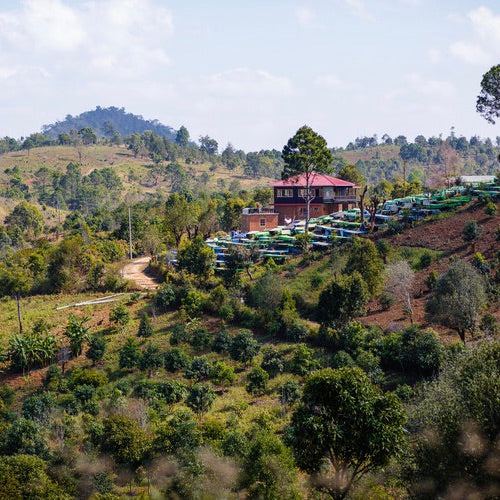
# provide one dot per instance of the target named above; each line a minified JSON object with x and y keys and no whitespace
{"x":395,"y":227}
{"x":145,"y":328}
{"x":129,"y":354}
{"x":340,"y":359}
{"x":199,"y":338}
{"x":171,"y":391}
{"x":257,"y":381}
{"x":222,"y":374}
{"x":120,"y":315}
{"x":222,"y":341}
{"x":489,"y":325}
{"x":81,"y":376}
{"x":199,"y":369}
{"x":179,"y":334}
{"x":244,"y":346}
{"x":491,"y":208}
{"x":200,"y":398}
{"x":193,"y":303}
{"x":386,"y":301}
{"x":97,"y":348}
{"x":175,"y":359}
{"x":431,"y":280}
{"x":38,"y":407}
{"x":165,"y":296}
{"x":425,"y":260}
{"x":235,"y":444}
{"x":303,"y":360}
{"x":289,"y":393}
{"x":272,"y":362}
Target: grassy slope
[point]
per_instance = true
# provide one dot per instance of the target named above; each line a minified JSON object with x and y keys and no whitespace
{"x":117,"y":157}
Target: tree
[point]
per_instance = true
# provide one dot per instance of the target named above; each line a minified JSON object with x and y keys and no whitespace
{"x":151,"y":359}
{"x":364,"y":258}
{"x":120,"y":315}
{"x":196,"y":257}
{"x":488,"y":101}
{"x":377,"y":196}
{"x":289,"y":393}
{"x":244,"y":346}
{"x":26,"y":217}
{"x":129,"y":354}
{"x":272,"y":361}
{"x":342,"y":300}
{"x":77,"y":334}
{"x":346,"y":420}
{"x":399,"y":280}
{"x":200,"y":398}
{"x":471,"y":232}
{"x":125,"y":440}
{"x":268,"y":468}
{"x":97,"y":348}
{"x":182,"y":137}
{"x":306,"y":153}
{"x":455,"y":426}
{"x":15,"y":281}
{"x":459,"y":296}
{"x":208,"y":145}
{"x":352,"y":174}
{"x":175,"y":359}
{"x":145,"y":328}
{"x":88,"y":135}
{"x":257,"y":381}
{"x":25,"y":477}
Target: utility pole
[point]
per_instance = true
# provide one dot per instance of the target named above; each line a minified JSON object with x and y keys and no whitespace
{"x":129,"y":233}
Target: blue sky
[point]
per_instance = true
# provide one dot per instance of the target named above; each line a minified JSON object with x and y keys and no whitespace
{"x":251,"y":71}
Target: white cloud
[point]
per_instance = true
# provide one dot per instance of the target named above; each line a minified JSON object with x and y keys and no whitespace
{"x":329,"y":81}
{"x":435,"y":56}
{"x":470,"y":52}
{"x":359,"y":9}
{"x":305,"y":16}
{"x":484,"y":47}
{"x":110,"y":35}
{"x":245,"y":82}
{"x":430,"y":88}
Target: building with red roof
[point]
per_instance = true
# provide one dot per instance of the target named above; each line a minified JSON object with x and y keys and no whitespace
{"x":329,"y":195}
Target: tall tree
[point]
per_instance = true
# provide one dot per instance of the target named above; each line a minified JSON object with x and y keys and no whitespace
{"x":488,"y":101}
{"x":306,"y":153}
{"x":458,"y":298}
{"x":345,"y":427}
{"x":182,"y":137}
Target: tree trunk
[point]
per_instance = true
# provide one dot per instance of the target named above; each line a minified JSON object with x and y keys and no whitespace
{"x":308,"y":204}
{"x":410,"y":309}
{"x":18,"y":300}
{"x":362,"y":205}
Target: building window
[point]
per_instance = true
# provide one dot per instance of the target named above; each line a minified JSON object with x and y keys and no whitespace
{"x":262,"y":222}
{"x":285,"y":193}
{"x":313,"y":192}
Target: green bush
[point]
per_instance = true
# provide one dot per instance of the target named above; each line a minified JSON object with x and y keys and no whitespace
{"x":244,"y":346}
{"x":145,"y":328}
{"x":175,"y":359}
{"x":272,"y":361}
{"x":166,"y":296}
{"x":199,"y":369}
{"x":257,"y":381}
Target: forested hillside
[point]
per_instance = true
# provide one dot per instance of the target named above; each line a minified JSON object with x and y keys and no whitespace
{"x":363,"y":368}
{"x":108,"y":122}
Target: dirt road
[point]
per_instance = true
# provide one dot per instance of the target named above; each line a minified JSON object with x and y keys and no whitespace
{"x":134,"y":271}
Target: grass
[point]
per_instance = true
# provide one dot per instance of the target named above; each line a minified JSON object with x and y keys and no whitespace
{"x":132,"y":171}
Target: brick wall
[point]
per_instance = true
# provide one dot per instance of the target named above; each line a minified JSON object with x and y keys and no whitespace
{"x":259,"y":222}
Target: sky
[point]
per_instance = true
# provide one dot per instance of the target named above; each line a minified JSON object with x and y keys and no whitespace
{"x":251,"y":72}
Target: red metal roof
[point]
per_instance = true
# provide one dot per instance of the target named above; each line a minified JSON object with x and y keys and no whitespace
{"x":317,"y":180}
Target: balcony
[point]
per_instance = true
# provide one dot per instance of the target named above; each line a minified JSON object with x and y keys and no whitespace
{"x":340,"y":199}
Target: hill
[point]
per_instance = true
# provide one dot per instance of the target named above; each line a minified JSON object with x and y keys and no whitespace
{"x":106,"y":122}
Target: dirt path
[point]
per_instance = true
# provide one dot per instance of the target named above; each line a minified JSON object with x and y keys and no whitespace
{"x":134,"y":271}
